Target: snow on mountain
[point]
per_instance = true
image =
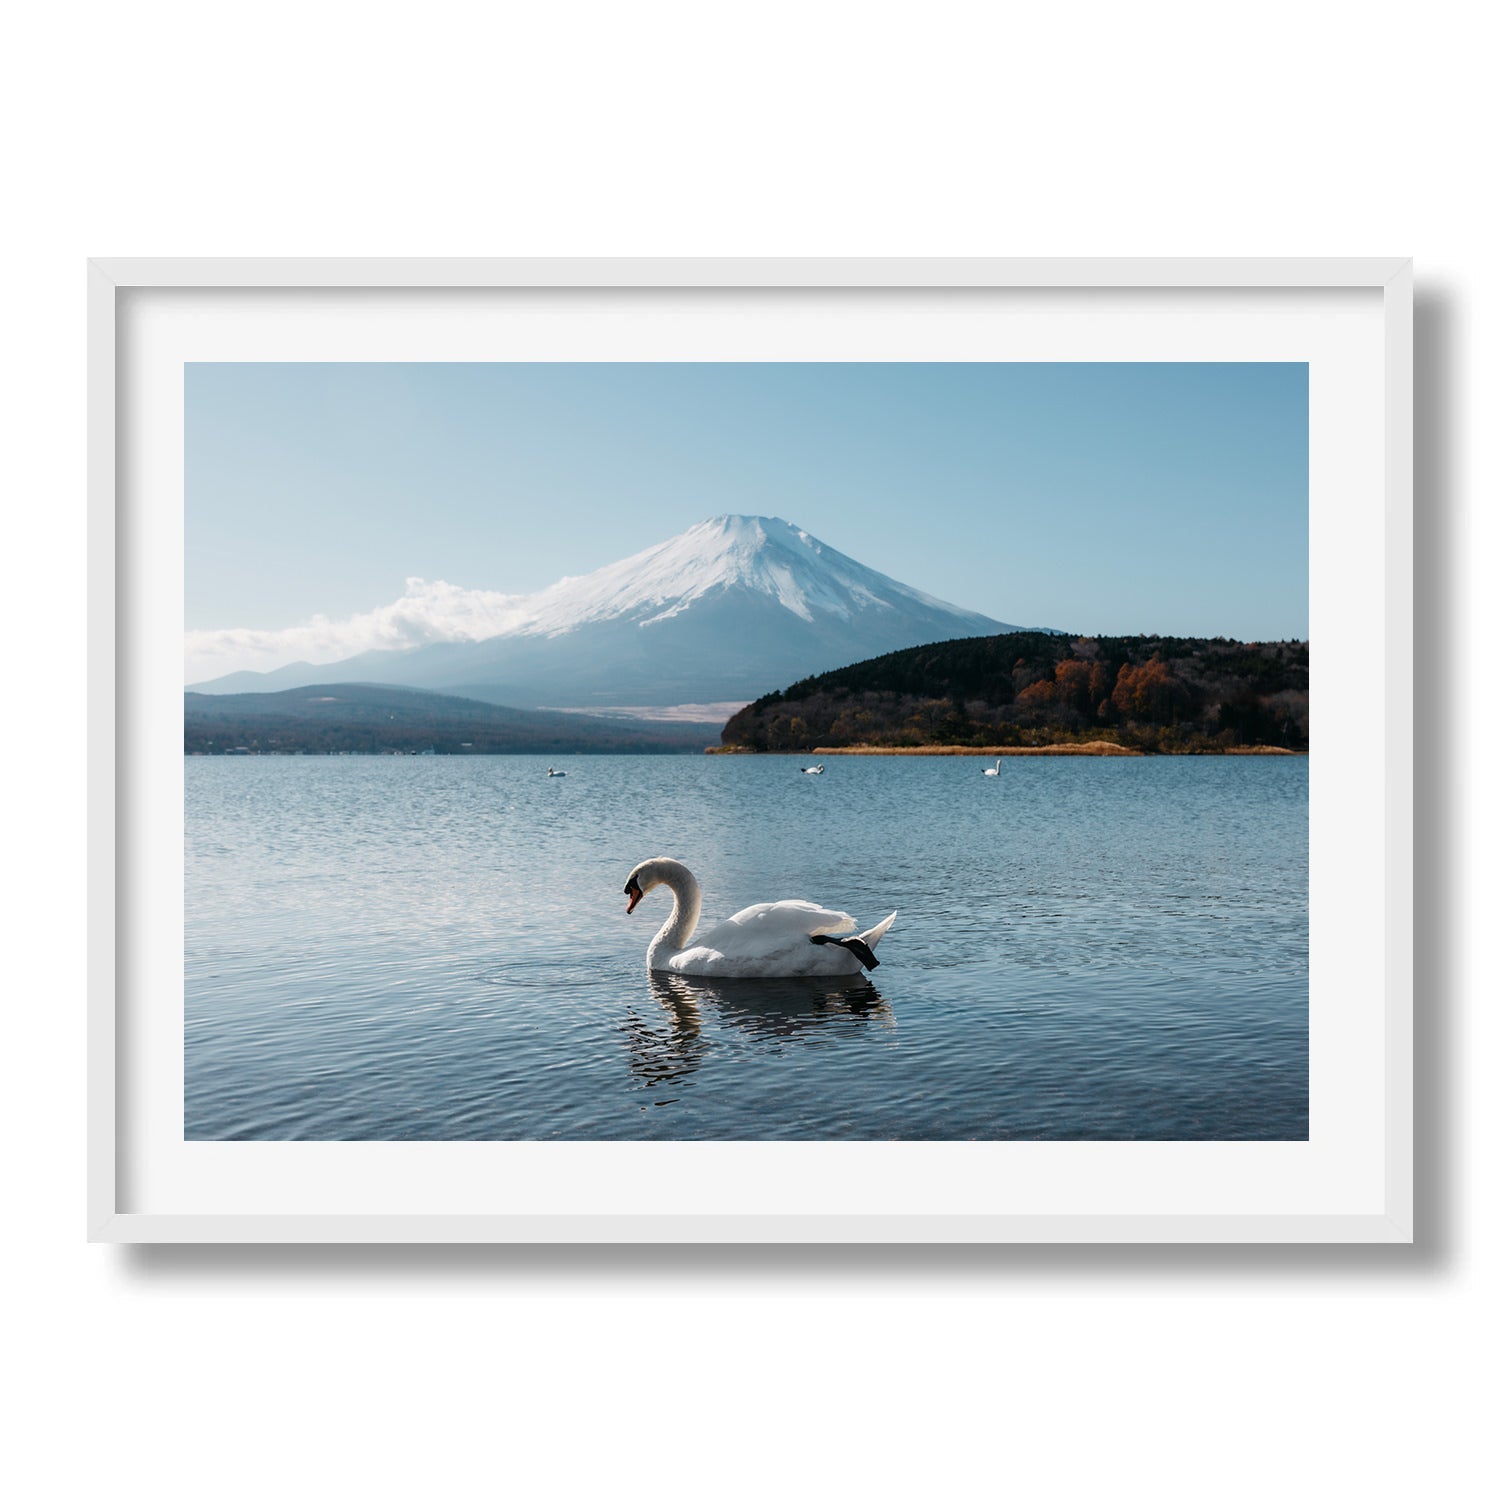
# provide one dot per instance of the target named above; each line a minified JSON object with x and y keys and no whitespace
{"x":759,"y":554}
{"x":730,"y":609}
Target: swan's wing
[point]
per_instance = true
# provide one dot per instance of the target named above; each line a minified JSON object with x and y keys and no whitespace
{"x":772,"y":927}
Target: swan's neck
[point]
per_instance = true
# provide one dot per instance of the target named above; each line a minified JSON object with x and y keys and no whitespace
{"x":687,"y":902}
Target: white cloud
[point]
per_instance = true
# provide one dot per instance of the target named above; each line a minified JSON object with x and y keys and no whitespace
{"x":426,"y":612}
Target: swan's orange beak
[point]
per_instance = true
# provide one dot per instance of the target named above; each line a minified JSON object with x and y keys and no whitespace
{"x":635,"y":893}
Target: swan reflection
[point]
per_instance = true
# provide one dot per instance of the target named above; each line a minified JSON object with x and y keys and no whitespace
{"x":672,"y":1044}
{"x":662,"y":1051}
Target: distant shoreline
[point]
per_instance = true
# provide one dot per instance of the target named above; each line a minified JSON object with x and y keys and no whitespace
{"x":998,"y":752}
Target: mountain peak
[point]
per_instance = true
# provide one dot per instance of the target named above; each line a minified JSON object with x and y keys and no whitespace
{"x":737,"y":603}
{"x":762,"y":555}
{"x":747,"y":532}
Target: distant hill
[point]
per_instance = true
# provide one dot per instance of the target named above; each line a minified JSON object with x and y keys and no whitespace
{"x":730,"y":608}
{"x":370,"y":718}
{"x":1155,"y":693}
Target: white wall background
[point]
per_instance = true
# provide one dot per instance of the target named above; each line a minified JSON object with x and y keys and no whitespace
{"x":807,"y":128}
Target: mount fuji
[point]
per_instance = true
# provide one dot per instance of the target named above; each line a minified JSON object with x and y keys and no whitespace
{"x":732,"y":608}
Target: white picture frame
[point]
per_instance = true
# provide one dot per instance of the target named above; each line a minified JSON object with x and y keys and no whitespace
{"x":1350,"y":1182}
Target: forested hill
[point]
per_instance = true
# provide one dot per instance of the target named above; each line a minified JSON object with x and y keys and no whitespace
{"x":1154,"y":693}
{"x":375,"y":719}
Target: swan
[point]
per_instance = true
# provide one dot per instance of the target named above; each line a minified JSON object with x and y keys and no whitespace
{"x":992,"y":770}
{"x":816,"y":770}
{"x":551,"y":772}
{"x":774,"y":940}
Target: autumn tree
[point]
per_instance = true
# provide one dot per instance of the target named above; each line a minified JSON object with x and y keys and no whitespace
{"x":1152,"y":693}
{"x":1072,"y":679}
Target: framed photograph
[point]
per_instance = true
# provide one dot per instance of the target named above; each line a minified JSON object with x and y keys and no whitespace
{"x":750,"y":750}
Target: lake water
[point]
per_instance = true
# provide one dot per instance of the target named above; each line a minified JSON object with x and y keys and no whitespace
{"x":436,"y":948}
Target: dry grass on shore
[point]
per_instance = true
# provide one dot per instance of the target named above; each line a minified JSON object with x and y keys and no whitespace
{"x":990,"y":752}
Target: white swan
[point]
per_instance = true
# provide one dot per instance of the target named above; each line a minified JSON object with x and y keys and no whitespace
{"x":777,"y":939}
{"x":816,"y":770}
{"x":551,"y":772}
{"x":992,"y":770}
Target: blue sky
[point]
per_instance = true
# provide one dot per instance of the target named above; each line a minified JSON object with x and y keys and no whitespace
{"x":1100,"y":498}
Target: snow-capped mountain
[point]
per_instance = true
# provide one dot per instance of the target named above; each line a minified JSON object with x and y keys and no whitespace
{"x":758,"y":554}
{"x":732,"y":608}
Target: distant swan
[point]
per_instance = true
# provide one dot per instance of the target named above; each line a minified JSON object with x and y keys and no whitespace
{"x":551,"y":772}
{"x":774,"y":940}
{"x":816,"y":770}
{"x":993,"y":770}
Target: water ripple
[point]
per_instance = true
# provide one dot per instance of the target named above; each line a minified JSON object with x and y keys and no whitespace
{"x":425,"y":949}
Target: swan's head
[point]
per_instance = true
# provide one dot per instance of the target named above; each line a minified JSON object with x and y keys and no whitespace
{"x":651,"y":873}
